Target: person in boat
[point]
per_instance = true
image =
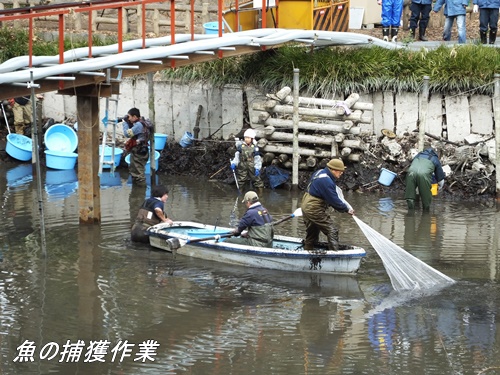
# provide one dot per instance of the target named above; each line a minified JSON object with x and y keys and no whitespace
{"x":151,"y":213}
{"x":257,"y":223}
{"x":247,"y":160}
{"x":419,"y":176}
{"x":321,"y":193}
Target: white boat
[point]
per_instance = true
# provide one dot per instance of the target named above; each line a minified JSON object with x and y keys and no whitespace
{"x":203,"y":241}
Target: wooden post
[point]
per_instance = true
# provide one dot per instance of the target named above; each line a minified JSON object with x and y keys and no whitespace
{"x":151,"y":108}
{"x":89,"y":192}
{"x":496,"y":110}
{"x":295,"y":167}
{"x":424,"y":102}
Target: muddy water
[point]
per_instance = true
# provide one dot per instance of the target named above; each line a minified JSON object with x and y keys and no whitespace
{"x":96,"y":289}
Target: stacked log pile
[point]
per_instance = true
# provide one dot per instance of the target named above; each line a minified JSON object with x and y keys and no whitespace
{"x":327,"y":129}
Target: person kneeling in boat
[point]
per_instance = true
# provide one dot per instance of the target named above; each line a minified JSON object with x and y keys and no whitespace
{"x":258,"y":223}
{"x":322,"y":192}
{"x":150,"y":213}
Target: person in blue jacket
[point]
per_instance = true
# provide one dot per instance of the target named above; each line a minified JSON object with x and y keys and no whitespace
{"x":420,"y":14}
{"x":322,"y":193}
{"x":391,"y":18}
{"x":488,"y":16}
{"x":453,"y":9}
{"x":419,"y":176}
{"x":257,"y":223}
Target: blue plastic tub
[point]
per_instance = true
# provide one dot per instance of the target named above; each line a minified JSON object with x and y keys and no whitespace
{"x":107,"y":156}
{"x":61,"y":137}
{"x":148,"y":164}
{"x":19,"y":147}
{"x":186,"y":140}
{"x":212,"y":28}
{"x":60,"y":159}
{"x":386,"y":177}
{"x":160,"y":141}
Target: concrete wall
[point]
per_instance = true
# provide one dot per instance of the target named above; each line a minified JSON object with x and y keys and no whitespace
{"x":453,"y":117}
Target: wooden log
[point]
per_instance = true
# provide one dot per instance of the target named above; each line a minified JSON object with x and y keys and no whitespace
{"x":339,"y":138}
{"x":283,"y":158}
{"x":303,"y":101}
{"x":268,"y":158}
{"x":354,"y":157}
{"x":282,"y":94}
{"x":306,"y":125}
{"x":346,"y":151}
{"x":261,"y":143}
{"x":264,"y":132}
{"x":354,"y":143}
{"x":313,"y":112}
{"x":260,"y":117}
{"x":302,"y":151}
{"x":304,"y":138}
{"x":341,"y":107}
{"x":311,"y":161}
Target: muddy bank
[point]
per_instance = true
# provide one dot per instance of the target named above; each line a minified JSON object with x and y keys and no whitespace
{"x":209,"y":159}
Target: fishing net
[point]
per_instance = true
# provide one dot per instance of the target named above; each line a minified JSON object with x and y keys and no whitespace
{"x":276,"y":176}
{"x":405,"y":271}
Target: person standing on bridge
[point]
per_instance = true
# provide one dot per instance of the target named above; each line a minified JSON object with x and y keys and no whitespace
{"x":420,"y":14}
{"x":391,"y":18}
{"x":453,"y":9}
{"x":488,"y":16}
{"x":136,"y":145}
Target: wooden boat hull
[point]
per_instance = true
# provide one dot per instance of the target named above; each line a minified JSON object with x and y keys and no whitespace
{"x":286,"y":254}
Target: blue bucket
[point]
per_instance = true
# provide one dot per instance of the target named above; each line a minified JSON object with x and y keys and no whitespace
{"x":148,"y":164}
{"x":386,"y":177}
{"x":107,"y":156}
{"x":186,"y":140}
{"x":19,"y":147}
{"x":60,"y":159}
{"x":212,"y":28}
{"x":61,"y":137}
{"x":160,"y":141}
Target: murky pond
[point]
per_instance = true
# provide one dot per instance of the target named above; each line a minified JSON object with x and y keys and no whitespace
{"x":98,"y":304}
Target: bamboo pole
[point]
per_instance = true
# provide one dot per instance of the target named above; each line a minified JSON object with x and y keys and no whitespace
{"x":423,"y":113}
{"x":295,"y":168}
{"x":496,"y":110}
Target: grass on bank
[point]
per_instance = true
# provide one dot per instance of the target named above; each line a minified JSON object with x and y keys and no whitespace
{"x":324,"y":71}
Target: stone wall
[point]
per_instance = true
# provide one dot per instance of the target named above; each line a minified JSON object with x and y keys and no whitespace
{"x":453,"y":117}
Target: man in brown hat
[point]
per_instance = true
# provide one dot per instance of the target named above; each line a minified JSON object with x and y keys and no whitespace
{"x":322,"y":192}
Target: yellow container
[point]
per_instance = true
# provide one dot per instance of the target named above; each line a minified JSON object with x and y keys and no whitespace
{"x":434,"y":189}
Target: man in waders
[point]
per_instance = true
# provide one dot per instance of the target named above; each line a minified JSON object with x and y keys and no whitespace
{"x":321,"y":193}
{"x":257,"y":221}
{"x":419,"y":175}
{"x":150,"y":213}
{"x":247,"y":160}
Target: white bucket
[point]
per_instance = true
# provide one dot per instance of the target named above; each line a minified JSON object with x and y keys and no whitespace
{"x":386,"y":177}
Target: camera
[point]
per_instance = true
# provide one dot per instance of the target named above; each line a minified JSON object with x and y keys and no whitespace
{"x":124,"y":118}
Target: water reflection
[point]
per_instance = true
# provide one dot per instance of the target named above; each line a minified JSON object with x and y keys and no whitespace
{"x":212,"y":318}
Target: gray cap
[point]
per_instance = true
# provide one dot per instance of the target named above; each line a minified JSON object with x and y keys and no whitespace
{"x":251,"y":197}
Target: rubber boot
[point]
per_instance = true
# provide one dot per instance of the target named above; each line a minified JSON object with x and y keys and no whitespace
{"x":412,"y":34}
{"x":333,"y":240}
{"x":385,"y":34}
{"x":411,"y":204}
{"x":394,"y":34}
{"x":493,"y":36}
{"x":482,"y":35}
{"x":421,"y":34}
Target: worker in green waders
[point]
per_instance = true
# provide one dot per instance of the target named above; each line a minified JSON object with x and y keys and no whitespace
{"x":247,"y":161}
{"x":419,"y":176}
{"x":323,"y":192}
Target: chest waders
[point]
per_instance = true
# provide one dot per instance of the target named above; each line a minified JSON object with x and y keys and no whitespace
{"x":317,"y":220}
